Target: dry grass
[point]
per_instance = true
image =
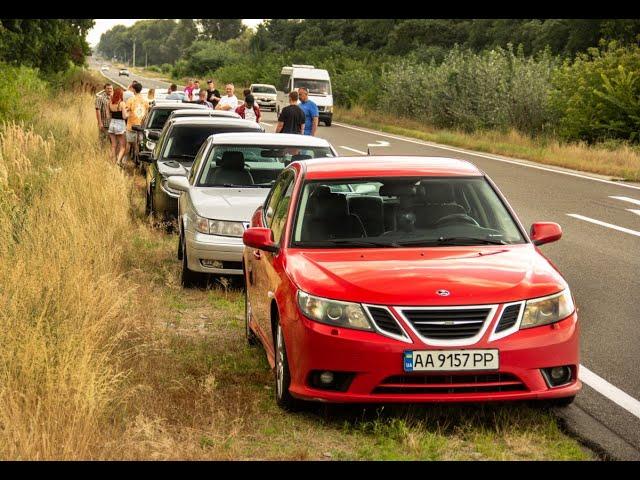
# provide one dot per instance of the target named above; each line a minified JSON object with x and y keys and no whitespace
{"x":616,"y":160}
{"x":105,"y":356}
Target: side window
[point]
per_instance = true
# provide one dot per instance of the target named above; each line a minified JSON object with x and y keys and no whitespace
{"x":281,"y":210}
{"x":284,"y":83}
{"x":197,"y":162}
{"x":275,"y":195}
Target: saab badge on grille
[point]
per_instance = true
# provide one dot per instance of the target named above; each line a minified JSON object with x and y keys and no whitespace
{"x":443,"y":293}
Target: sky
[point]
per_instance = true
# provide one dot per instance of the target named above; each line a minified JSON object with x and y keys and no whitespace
{"x":102,"y":25}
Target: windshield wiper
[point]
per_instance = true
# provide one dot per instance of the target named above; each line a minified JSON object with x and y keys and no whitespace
{"x":190,"y":157}
{"x":341,"y":242}
{"x":453,"y":241}
{"x":233,"y":185}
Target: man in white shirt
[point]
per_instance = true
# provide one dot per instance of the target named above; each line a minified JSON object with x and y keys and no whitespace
{"x":228,"y":101}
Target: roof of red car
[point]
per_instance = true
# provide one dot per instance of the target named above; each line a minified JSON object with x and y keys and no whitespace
{"x":388,"y":165}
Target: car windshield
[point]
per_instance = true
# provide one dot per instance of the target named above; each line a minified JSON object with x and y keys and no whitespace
{"x":158,"y":118}
{"x":397,"y":212}
{"x":317,"y":87}
{"x":252,"y":165}
{"x":263,"y":89}
{"x":185,"y":141}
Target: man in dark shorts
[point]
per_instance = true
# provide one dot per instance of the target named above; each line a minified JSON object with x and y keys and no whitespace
{"x":291,"y":119}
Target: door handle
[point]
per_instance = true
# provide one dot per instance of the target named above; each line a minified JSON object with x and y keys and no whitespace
{"x":256,"y":254}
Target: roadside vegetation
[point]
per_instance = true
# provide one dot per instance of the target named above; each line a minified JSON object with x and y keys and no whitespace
{"x":105,"y":356}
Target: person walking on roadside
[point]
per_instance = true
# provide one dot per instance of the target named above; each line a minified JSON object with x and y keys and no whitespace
{"x":202,"y":99}
{"x":102,"y":112}
{"x":137,"y":108}
{"x":188,"y":90}
{"x":249,"y":110}
{"x":173,"y":93}
{"x":292,"y":118}
{"x":117,"y":125}
{"x":213,"y":95}
{"x":310,"y":110}
{"x":228,"y":101}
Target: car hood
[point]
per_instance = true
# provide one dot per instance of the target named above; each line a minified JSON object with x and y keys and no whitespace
{"x":269,"y":96}
{"x":227,"y":203}
{"x":412,"y":276}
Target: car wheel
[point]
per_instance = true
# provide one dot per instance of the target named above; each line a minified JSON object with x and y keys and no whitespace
{"x":284,"y":399}
{"x":327,"y":123}
{"x":252,"y":340}
{"x":189,"y":278}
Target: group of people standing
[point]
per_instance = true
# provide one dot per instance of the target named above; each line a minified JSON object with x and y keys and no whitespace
{"x":117,"y":112}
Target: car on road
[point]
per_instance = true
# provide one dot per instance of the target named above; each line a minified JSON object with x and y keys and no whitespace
{"x":265,"y":95}
{"x":231,"y":176}
{"x":104,"y":68}
{"x":405,"y":279}
{"x":123,"y":71}
{"x":316,"y":80}
{"x":155,"y":119}
{"x":173,"y":155}
{"x":206,"y":112}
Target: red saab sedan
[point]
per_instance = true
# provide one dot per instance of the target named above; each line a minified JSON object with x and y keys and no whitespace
{"x":405,"y":279}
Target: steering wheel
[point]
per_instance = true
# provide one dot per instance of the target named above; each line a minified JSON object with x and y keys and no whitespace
{"x":457,"y":218}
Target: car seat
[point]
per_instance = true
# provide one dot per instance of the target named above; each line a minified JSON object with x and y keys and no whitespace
{"x":327,"y":217}
{"x":230,"y":170}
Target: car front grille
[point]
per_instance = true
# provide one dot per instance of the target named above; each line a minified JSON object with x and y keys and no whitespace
{"x":509,"y":318}
{"x":438,"y":383}
{"x":447,"y":323}
{"x":385,"y":321}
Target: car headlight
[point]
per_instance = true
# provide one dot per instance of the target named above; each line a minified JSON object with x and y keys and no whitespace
{"x":329,"y":109}
{"x":219,"y":227}
{"x":546,"y":310}
{"x":150,"y":145}
{"x":333,"y":312}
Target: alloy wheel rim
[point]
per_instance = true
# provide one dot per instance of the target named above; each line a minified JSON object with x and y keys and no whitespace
{"x":279,"y":363}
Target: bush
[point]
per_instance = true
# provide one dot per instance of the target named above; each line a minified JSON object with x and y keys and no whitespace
{"x":22,"y":91}
{"x":154,"y":68}
{"x":166,"y":68}
{"x":597,"y":97}
{"x":495,"y":89}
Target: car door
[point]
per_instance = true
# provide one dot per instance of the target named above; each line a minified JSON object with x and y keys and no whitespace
{"x":261,"y":263}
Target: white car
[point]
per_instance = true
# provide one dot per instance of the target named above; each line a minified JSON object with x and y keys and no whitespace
{"x":123,"y":71}
{"x":265,"y":95}
{"x":231,"y":177}
{"x":104,"y":68}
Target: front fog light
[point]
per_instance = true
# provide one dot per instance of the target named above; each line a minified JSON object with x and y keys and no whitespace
{"x":326,"y":377}
{"x":556,"y":376}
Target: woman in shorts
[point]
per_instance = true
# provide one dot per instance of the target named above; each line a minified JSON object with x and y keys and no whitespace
{"x":117,"y":125}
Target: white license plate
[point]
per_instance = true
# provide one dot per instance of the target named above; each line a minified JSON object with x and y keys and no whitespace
{"x":450,"y":360}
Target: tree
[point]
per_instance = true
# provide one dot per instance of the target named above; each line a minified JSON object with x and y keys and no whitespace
{"x":48,"y":44}
{"x":222,"y":29}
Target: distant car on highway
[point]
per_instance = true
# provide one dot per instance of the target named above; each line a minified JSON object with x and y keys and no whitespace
{"x":231,"y":176}
{"x":104,"y":68}
{"x":123,"y":71}
{"x":175,"y":150}
{"x":405,"y":279}
{"x":265,"y":95}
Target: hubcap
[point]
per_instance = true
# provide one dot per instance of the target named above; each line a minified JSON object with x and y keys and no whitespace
{"x":279,"y":362}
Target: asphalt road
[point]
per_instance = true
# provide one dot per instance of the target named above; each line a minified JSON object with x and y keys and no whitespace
{"x":598,"y":255}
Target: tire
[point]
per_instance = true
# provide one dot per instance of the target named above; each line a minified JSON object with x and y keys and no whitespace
{"x":284,"y":399}
{"x":327,"y":123}
{"x":252,"y":339}
{"x":189,"y":278}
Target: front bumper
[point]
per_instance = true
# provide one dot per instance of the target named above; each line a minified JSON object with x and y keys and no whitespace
{"x":165,"y":204}
{"x":266,"y":103}
{"x":226,"y":250}
{"x":373,"y":358}
{"x":325,"y":116}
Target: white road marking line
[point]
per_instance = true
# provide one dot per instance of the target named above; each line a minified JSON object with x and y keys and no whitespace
{"x":633,"y":210}
{"x":353,"y":150}
{"x":483,"y":155}
{"x":610,"y":391}
{"x":605,"y":224}
{"x":626,"y":199}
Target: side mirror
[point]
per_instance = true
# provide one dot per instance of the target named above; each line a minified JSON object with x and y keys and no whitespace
{"x":153,"y":135}
{"x":260,"y":238}
{"x":545,"y":232}
{"x":178,"y":183}
{"x":145,"y":157}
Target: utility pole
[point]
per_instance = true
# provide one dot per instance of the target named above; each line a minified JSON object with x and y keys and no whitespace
{"x":134,"y":52}
{"x":145,"y":59}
